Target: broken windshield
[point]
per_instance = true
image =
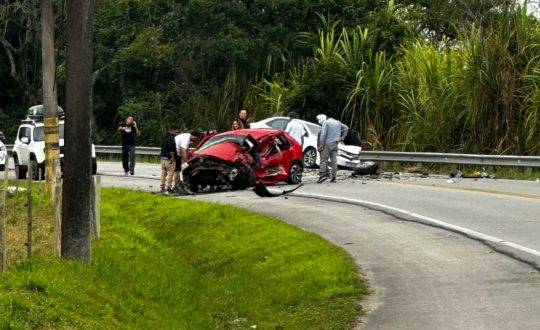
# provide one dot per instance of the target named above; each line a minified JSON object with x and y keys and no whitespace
{"x":222,"y":139}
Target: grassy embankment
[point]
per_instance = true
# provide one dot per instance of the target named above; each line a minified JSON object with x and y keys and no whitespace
{"x":164,"y":263}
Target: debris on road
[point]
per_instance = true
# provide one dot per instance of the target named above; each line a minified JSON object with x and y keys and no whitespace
{"x":261,"y":190}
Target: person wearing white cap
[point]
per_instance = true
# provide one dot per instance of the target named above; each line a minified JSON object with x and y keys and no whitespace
{"x":331,"y":134}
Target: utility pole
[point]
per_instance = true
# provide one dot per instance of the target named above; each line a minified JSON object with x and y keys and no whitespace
{"x":50,"y":103}
{"x":76,"y":196}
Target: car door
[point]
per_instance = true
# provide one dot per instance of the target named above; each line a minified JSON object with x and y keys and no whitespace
{"x":21,"y":148}
{"x":273,"y":164}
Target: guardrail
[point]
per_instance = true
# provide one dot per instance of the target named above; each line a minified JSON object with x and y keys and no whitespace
{"x":392,"y":156}
{"x":112,"y":150}
{"x":453,"y":159}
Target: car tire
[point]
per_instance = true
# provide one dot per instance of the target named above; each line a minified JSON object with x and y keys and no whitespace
{"x":367,"y":168}
{"x":35,"y":170}
{"x":310,"y":157}
{"x":19,"y":170}
{"x":296,"y":173}
{"x":2,"y":168}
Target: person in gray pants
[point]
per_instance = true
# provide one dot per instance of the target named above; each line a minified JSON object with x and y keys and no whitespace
{"x":331,"y":134}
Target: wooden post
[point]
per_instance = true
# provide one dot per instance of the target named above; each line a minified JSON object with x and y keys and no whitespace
{"x":57,"y":209}
{"x":3,"y":198}
{"x":29,"y":208}
{"x":50,"y":106}
{"x":96,"y":216}
{"x":17,"y":184}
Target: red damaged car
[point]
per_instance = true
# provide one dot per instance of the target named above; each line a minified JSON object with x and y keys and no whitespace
{"x":238,"y":159}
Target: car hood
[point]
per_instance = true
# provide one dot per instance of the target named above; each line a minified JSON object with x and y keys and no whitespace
{"x":229,"y":152}
{"x":350,"y":149}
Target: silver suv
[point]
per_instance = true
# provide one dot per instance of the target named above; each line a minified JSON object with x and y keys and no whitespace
{"x":30,"y":144}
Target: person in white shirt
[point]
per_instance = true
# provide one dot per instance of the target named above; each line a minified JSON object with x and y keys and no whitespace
{"x":295,"y":128}
{"x":182,"y":141}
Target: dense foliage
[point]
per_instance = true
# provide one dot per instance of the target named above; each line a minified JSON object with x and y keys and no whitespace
{"x":436,"y":75}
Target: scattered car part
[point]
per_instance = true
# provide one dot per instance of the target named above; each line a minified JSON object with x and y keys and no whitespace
{"x":261,"y":190}
{"x":366,"y":168}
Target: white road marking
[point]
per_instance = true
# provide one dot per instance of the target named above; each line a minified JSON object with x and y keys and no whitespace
{"x":401,"y":212}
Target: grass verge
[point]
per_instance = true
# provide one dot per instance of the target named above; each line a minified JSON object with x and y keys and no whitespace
{"x":181,"y":264}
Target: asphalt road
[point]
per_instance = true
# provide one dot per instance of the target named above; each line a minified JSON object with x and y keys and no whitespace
{"x":423,"y":277}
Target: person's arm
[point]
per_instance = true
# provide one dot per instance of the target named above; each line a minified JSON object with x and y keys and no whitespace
{"x":136,"y":128}
{"x":184,"y":145}
{"x":183,"y":152}
{"x":322,"y":137}
{"x":172,"y":149}
{"x":344,"y":131}
{"x":120,"y":129}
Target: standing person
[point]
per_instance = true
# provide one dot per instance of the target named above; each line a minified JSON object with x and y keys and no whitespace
{"x":182,"y":142}
{"x":295,"y":128}
{"x":332,"y":133}
{"x":168,"y":161}
{"x":129,"y":131}
{"x":243,"y":121}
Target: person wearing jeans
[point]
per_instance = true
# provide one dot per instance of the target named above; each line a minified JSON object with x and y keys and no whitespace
{"x":129,"y":132}
{"x":332,"y":133}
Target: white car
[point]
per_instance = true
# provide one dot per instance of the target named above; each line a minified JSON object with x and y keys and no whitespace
{"x":30,"y":144}
{"x":3,"y":155}
{"x":348,"y":156}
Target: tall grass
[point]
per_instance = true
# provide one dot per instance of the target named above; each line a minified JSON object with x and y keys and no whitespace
{"x":478,"y":93}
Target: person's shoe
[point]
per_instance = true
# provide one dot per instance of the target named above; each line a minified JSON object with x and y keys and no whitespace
{"x":126,"y":173}
{"x":132,"y":173}
{"x":333,"y":180}
{"x":322,"y":178}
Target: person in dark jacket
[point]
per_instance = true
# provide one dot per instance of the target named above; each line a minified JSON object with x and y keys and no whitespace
{"x":168,"y":161}
{"x":129,"y":131}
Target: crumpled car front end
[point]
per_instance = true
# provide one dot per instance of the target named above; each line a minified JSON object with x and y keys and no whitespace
{"x":204,"y":172}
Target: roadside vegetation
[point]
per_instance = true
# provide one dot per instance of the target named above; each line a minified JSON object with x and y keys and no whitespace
{"x":182,"y":264}
{"x":414,"y":75}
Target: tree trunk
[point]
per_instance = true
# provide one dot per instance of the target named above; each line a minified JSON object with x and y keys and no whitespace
{"x":76,"y":201}
{"x":50,"y":105}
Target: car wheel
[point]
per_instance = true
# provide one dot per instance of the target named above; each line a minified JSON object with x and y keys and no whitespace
{"x":295,"y":176}
{"x":310,"y":157}
{"x":19,"y":170}
{"x":35,"y":170}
